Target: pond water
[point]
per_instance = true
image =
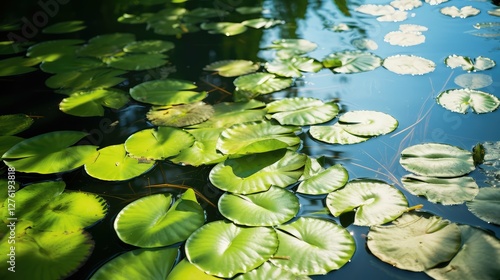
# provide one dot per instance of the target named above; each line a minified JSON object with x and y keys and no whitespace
{"x":410,"y":99}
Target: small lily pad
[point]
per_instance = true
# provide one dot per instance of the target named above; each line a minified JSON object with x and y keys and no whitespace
{"x":149,"y":46}
{"x":137,"y":61}
{"x":406,"y":5}
{"x":260,"y":83}
{"x":468,"y":64}
{"x":70,"y":63}
{"x":259,"y":23}
{"x":106,"y":45}
{"x":408,"y":65}
{"x":180,"y":115}
{"x":302,"y":111}
{"x":167,"y":92}
{"x":335,"y":134}
{"x":348,"y":62}
{"x":232,"y":68}
{"x":404,"y":39}
{"x":293,"y":66}
{"x":203,"y":151}
{"x":227,"y":114}
{"x":324,"y":181}
{"x":294,"y":46}
{"x":17,"y":66}
{"x":460,"y":100}
{"x":367,"y":123}
{"x":86,"y":80}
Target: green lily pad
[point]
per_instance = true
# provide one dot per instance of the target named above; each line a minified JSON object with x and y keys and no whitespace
{"x":293,"y":66}
{"x":53,"y":50}
{"x":186,"y":270}
{"x":139,"y":264}
{"x":480,"y":63}
{"x":92,"y":103}
{"x":227,"y":114}
{"x":376,"y":202}
{"x":323,"y":181}
{"x":232,"y":68}
{"x":446,"y":191}
{"x":335,"y":134}
{"x":158,"y":144}
{"x":473,"y":81}
{"x":203,"y":150}
{"x":415,"y":242}
{"x":149,"y":46}
{"x":367,"y":123}
{"x":485,"y":205}
{"x":14,"y":124}
{"x":255,"y":84}
{"x":137,"y":61}
{"x":7,"y":142}
{"x":151,"y":221}
{"x":86,"y":80}
{"x":460,"y":100}
{"x":405,"y":5}
{"x":134,"y":19}
{"x":269,"y":208}
{"x":258,"y":172}
{"x":404,"y":39}
{"x":226,"y":28}
{"x":106,"y":45}
{"x":113,"y":164}
{"x":17,"y":66}
{"x":270,"y":271}
{"x":12,"y":47}
{"x":294,"y":46}
{"x":437,"y":160}
{"x":314,"y":246}
{"x":259,"y":23}
{"x":256,"y":137}
{"x":50,"y":153}
{"x":348,"y":62}
{"x":64,"y":27}
{"x":180,"y":115}
{"x":224,"y":249}
{"x":466,"y":11}
{"x":408,"y":65}
{"x":302,"y":111}
{"x":69,"y":64}
{"x":167,"y":92}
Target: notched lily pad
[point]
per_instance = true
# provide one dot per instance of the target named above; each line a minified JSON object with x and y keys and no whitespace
{"x":255,"y":84}
{"x":167,"y":92}
{"x":367,"y":123}
{"x":486,"y":205}
{"x":466,"y":11}
{"x":302,"y":111}
{"x":352,"y":62}
{"x":460,"y":100}
{"x":408,"y":65}
{"x":468,"y":64}
{"x":335,"y":134}
{"x":14,"y":124}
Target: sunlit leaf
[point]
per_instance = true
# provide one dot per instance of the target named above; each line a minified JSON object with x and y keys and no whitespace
{"x":466,"y":11}
{"x":302,"y":111}
{"x":260,"y":83}
{"x":7,"y":142}
{"x":106,"y":45}
{"x":134,"y":19}
{"x":486,"y":205}
{"x":17,"y":66}
{"x":232,"y":68}
{"x":186,"y":270}
{"x":53,"y":50}
{"x":295,"y":46}
{"x":86,"y":80}
{"x":158,"y":144}
{"x":92,"y":103}
{"x":227,"y":114}
{"x":180,"y":115}
{"x":149,"y":46}
{"x":15,"y":123}
{"x":167,"y":92}
{"x":408,"y":65}
{"x":226,"y":28}
{"x":64,"y":27}
{"x":367,"y":123}
{"x":293,"y":66}
{"x":460,"y":100}
{"x":203,"y":150}
{"x":258,"y":23}
{"x":335,"y":134}
{"x":352,"y":62}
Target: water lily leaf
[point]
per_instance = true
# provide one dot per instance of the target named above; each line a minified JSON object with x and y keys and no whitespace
{"x":70,"y":63}
{"x":314,"y":246}
{"x":408,"y":65}
{"x":447,"y":191}
{"x":149,"y":46}
{"x":172,"y":27}
{"x":404,"y":39}
{"x":151,"y":221}
{"x":415,"y":242}
{"x":258,"y":172}
{"x":167,"y":92}
{"x":137,"y":61}
{"x":53,"y":50}
{"x":86,"y":80}
{"x":376,"y":202}
{"x":134,"y":19}
{"x":270,"y":271}
{"x":224,"y":249}
{"x":106,"y":45}
{"x":12,"y":47}
{"x":437,"y":160}
{"x":139,"y":264}
{"x":375,"y":10}
{"x":293,"y":46}
{"x":269,"y":208}
{"x":227,"y":114}
{"x":302,"y":111}
{"x":468,"y":64}
{"x":186,"y":270}
{"x":158,"y":144}
{"x":64,"y":27}
{"x":473,"y":81}
{"x":259,"y":23}
{"x":406,"y":5}
{"x":232,"y":68}
{"x":256,"y":137}
{"x":348,"y":62}
{"x":205,"y":13}
{"x":292,"y":66}
{"x":14,"y":123}
{"x":477,"y":258}
{"x":364,"y":44}
{"x":203,"y":150}
{"x":260,"y":83}
{"x":460,"y":100}
{"x":495,"y":12}
{"x":180,"y":115}
{"x":226,"y":28}
{"x":485,"y":205}
{"x":335,"y":134}
{"x":7,"y":142}
{"x":17,"y":66}
{"x":324,"y":181}
{"x":50,"y":153}
{"x":113,"y":164}
{"x":466,"y":11}
{"x":92,"y":103}
{"x":367,"y":123}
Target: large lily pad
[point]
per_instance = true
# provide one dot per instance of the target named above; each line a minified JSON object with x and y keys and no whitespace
{"x":167,"y":92}
{"x":302,"y":111}
{"x":7,"y":142}
{"x":15,"y":123}
{"x":468,"y":64}
{"x":180,"y":115}
{"x":437,"y":160}
{"x":232,"y":68}
{"x":53,"y":50}
{"x":314,"y":246}
{"x":86,"y":80}
{"x":367,"y":123}
{"x":322,"y":181}
{"x":408,"y":65}
{"x":260,"y":83}
{"x":460,"y":100}
{"x":158,"y":144}
{"x":375,"y":202}
{"x":92,"y":103}
{"x":335,"y":134}
{"x":137,"y":61}
{"x":226,"y":28}
{"x":203,"y":151}
{"x":293,"y":66}
{"x":70,"y":63}
{"x":64,"y":27}
{"x":224,"y":249}
{"x":227,"y":114}
{"x":352,"y":62}
{"x":293,"y":46}
{"x":486,"y":205}
{"x":404,"y":39}
{"x":473,"y":81}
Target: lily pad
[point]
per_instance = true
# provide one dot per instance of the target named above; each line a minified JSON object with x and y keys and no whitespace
{"x":186,"y":270}
{"x":270,"y":271}
{"x":294,"y":46}
{"x":448,"y":191}
{"x":335,"y":134}
{"x":137,"y":61}
{"x":460,"y":100}
{"x":314,"y":246}
{"x":375,"y":202}
{"x":480,"y":63}
{"x":86,"y":80}
{"x":14,"y":124}
{"x":437,"y":160}
{"x":180,"y":115}
{"x":259,"y":23}
{"x":17,"y":66}
{"x":226,"y":28}
{"x":473,"y":81}
{"x":466,"y":11}
{"x":69,"y":64}
{"x":224,"y":249}
{"x":324,"y":181}
{"x":227,"y":114}
{"x":302,"y":111}
{"x":152,"y":221}
{"x":348,"y":62}
{"x":167,"y":92}
{"x":367,"y":123}
{"x":232,"y":68}
{"x":7,"y":142}
{"x":256,"y":84}
{"x":50,"y":153}
{"x":485,"y":205}
{"x":158,"y":144}
{"x":53,"y":50}
{"x":203,"y":150}
{"x":258,"y":172}
{"x":269,"y":208}
{"x":106,"y":45}
{"x":64,"y":27}
{"x":404,"y":39}
{"x":92,"y":103}
{"x":415,"y":242}
{"x":408,"y":65}
{"x":293,"y":66}
{"x":149,"y":46}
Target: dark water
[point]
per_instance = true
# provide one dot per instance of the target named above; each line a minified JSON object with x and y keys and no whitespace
{"x":410,"y":99}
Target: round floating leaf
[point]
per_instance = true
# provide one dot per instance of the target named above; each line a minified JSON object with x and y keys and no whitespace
{"x":232,"y":68}
{"x":224,"y":249}
{"x":348,"y":62}
{"x":167,"y":92}
{"x":256,"y":137}
{"x":261,"y":83}
{"x":376,"y":202}
{"x":460,"y":100}
{"x":137,"y":62}
{"x":473,"y":81}
{"x":293,"y":66}
{"x":314,"y":246}
{"x":325,"y":181}
{"x":466,"y":11}
{"x":408,"y":65}
{"x":180,"y":115}
{"x":92,"y":103}
{"x":226,"y":28}
{"x":50,"y":153}
{"x":227,"y":114}
{"x":477,"y":258}
{"x":113,"y":164}
{"x":367,"y":123}
{"x":53,"y":50}
{"x":302,"y":111}
{"x":364,"y":44}
{"x":486,"y":205}
{"x":437,"y":160}
{"x":335,"y":134}
{"x":64,"y":27}
{"x":135,"y":19}
{"x":404,"y":39}
{"x":86,"y":80}
{"x":468,"y":64}
{"x":158,"y":144}
{"x":186,"y":270}
{"x":149,"y":46}
{"x":258,"y":23}
{"x":269,"y":208}
{"x":152,"y":222}
{"x":246,"y":10}
{"x":415,"y":242}
{"x":405,"y":5}
{"x":7,"y":142}
{"x":258,"y":172}
{"x":70,"y":63}
{"x":447,"y":191}
{"x":15,"y":123}
{"x":106,"y":45}
{"x":17,"y":66}
{"x":139,"y":264}
{"x":203,"y":150}
{"x":295,"y":46}
{"x":270,"y":271}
